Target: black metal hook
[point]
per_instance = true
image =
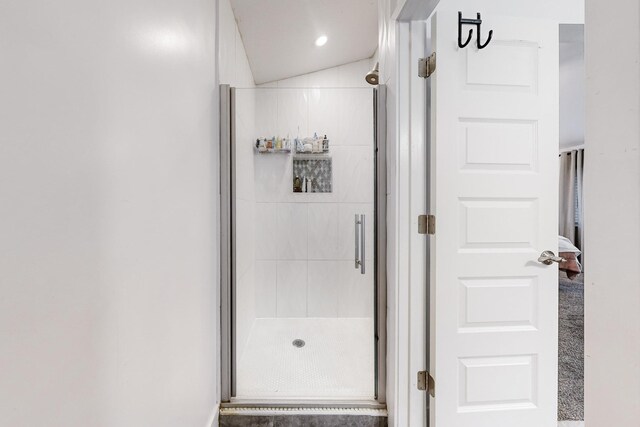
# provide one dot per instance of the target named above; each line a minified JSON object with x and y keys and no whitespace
{"x":477,"y":22}
{"x":482,"y":46}
{"x":460,"y":44}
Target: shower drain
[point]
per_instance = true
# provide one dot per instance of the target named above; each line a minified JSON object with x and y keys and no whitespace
{"x":298,"y":343}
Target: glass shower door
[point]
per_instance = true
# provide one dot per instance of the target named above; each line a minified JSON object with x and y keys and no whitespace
{"x":303,"y":283}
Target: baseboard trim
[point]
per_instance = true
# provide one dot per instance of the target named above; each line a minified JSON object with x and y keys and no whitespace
{"x":214,"y":421}
{"x":570,"y":423}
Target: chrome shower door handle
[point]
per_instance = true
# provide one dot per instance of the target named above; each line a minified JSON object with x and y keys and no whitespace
{"x":363,"y":235}
{"x":357,"y":240}
{"x":548,"y":258}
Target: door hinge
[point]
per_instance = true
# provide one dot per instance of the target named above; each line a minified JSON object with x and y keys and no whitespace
{"x":426,"y":383}
{"x":427,"y":224}
{"x":427,"y":66}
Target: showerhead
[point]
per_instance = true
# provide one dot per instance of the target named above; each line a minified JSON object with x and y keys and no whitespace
{"x":372,"y":76}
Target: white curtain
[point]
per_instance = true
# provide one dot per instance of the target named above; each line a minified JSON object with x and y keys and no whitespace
{"x":571,"y":218}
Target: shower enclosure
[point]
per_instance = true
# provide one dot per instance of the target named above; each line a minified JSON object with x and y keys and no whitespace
{"x":303,"y":238}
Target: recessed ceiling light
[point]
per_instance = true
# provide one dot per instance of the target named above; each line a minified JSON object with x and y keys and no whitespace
{"x":321,"y":41}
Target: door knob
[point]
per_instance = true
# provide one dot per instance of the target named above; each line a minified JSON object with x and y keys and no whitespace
{"x":548,"y":258}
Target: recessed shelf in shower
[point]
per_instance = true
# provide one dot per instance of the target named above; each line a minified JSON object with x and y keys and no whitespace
{"x":316,"y":169}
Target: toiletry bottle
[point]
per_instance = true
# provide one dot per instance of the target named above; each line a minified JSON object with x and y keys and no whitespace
{"x":297,"y":185}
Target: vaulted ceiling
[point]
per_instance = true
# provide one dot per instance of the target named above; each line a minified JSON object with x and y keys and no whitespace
{"x":279,"y":35}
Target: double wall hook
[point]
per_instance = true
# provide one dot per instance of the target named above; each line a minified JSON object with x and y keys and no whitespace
{"x":477,"y":22}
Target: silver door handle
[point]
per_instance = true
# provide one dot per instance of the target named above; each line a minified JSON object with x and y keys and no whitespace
{"x":363,"y":235}
{"x":360,"y":243}
{"x":548,"y":258}
{"x":357,"y":240}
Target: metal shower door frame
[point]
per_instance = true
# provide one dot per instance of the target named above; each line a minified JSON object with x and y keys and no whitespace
{"x":227,"y":260}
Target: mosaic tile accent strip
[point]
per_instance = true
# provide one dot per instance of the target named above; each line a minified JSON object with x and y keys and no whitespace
{"x":318,"y":170}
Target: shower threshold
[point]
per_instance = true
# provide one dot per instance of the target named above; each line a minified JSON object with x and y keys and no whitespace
{"x":289,"y":416}
{"x":324,"y":406}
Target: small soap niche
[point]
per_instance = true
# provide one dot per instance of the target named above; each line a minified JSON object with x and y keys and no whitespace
{"x":317,"y":170}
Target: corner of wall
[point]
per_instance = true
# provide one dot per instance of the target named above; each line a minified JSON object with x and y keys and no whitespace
{"x":233,"y":64}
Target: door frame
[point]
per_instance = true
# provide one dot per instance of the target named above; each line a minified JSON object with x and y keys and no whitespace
{"x":410,"y":105}
{"x":227,"y":261}
{"x":227,"y":138}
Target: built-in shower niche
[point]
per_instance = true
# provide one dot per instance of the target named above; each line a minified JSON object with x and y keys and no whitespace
{"x":312,"y":174}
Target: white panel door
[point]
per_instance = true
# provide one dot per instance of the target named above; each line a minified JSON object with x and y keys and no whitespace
{"x":494,"y":155}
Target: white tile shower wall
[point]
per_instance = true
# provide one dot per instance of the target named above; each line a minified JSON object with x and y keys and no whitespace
{"x":356,"y":291}
{"x":323,"y":286}
{"x":291,"y":293}
{"x":323,"y":239}
{"x":293,"y":112}
{"x":353,"y":171}
{"x":245,"y":236}
{"x":323,"y":110}
{"x":292,"y":222}
{"x":304,"y":243}
{"x":355,"y":113}
{"x":265,"y":298}
{"x":266,"y":231}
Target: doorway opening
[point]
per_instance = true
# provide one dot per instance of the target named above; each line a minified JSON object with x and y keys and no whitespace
{"x":571,"y":227}
{"x":305,"y":228}
{"x":493,"y":125}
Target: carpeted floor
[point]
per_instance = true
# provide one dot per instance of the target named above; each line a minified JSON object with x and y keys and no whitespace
{"x":571,"y":349}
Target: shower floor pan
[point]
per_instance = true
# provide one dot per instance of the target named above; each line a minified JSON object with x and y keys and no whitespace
{"x":335,"y":362}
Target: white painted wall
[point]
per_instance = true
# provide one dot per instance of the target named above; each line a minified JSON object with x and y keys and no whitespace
{"x":612,"y":209}
{"x":233,"y":63}
{"x":108,"y":184}
{"x":235,"y":71}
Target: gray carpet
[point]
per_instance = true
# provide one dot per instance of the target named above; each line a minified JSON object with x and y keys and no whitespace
{"x":571,"y":349}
